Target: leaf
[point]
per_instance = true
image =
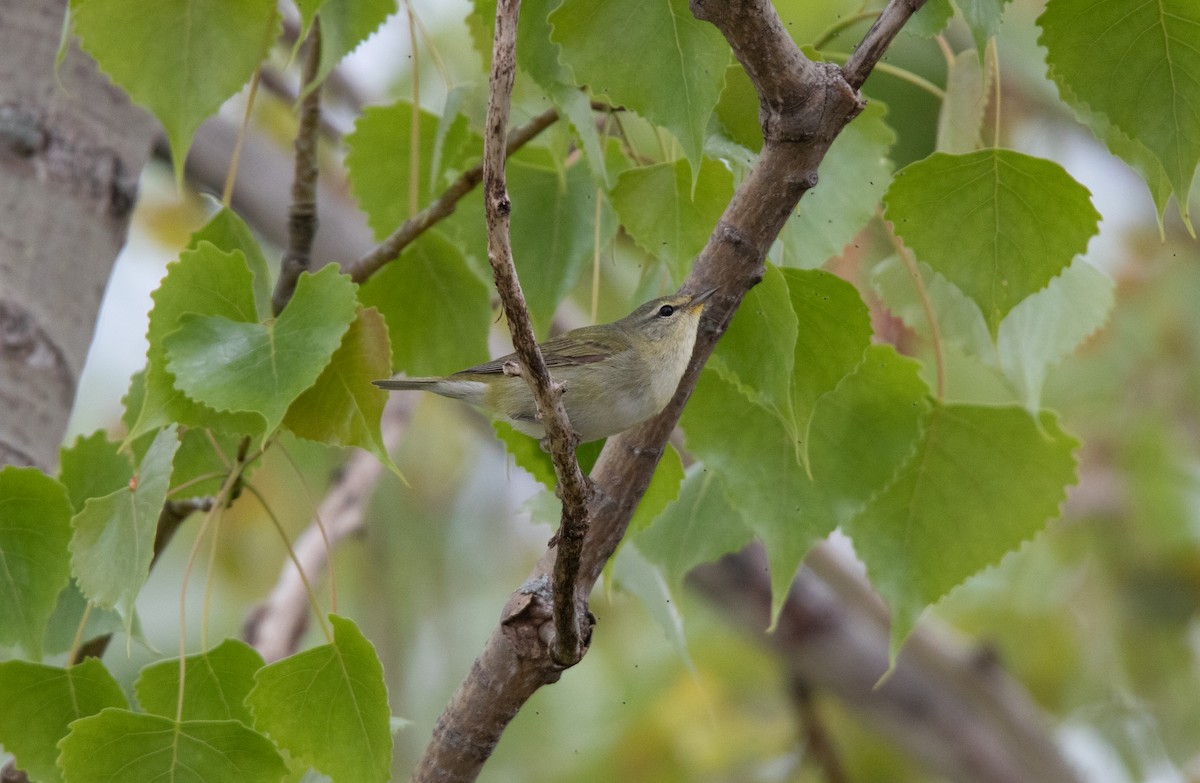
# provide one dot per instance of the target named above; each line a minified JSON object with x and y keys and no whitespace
{"x":342,"y":408}
{"x":759,"y":465}
{"x":697,"y":527}
{"x":737,"y":109}
{"x":262,"y":368}
{"x":113,"y":541}
{"x":216,"y":683}
{"x":69,"y":612}
{"x":983,"y":17}
{"x":540,"y":57}
{"x":91,"y":467}
{"x":39,"y":703}
{"x":853,"y":177}
{"x":327,"y":706}
{"x":981,"y":481}
{"x":998,"y":224}
{"x":378,"y":161}
{"x":344,"y":25}
{"x":554,"y":232}
{"x":228,"y":232}
{"x":833,"y":329}
{"x":161,"y":53}
{"x":1138,"y":65}
{"x":865,"y":429}
{"x":35,"y":515}
{"x":642,"y":578}
{"x":930,"y":19}
{"x":669,"y":219}
{"x":204,"y":280}
{"x":686,"y":56}
{"x":959,"y":320}
{"x":117,"y":744}
{"x":966,"y":101}
{"x":1050,"y":325}
{"x":757,"y":351}
{"x":437,"y":310}
{"x":664,"y":488}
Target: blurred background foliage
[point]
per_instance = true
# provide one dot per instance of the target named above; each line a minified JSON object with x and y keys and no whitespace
{"x":1097,"y":617}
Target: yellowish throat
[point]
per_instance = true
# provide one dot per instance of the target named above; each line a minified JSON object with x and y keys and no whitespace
{"x":616,"y":374}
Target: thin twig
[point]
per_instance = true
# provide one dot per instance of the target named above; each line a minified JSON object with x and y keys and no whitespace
{"x":302,"y":215}
{"x":868,"y":53}
{"x":561,"y":439}
{"x":443,"y":206}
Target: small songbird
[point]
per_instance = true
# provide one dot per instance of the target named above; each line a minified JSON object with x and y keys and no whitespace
{"x":616,"y":374}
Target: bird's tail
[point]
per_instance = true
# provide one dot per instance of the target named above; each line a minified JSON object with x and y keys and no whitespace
{"x":394,"y":384}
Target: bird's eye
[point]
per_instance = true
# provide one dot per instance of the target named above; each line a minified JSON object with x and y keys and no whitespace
{"x":666,"y":310}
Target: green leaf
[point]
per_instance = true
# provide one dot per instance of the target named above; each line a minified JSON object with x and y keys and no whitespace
{"x":757,"y":351}
{"x":528,"y":455}
{"x":959,"y":320}
{"x":377,"y":159}
{"x":664,"y":488}
{"x":998,"y":224}
{"x":203,"y":453}
{"x":216,"y":683}
{"x":665,"y":216}
{"x":737,"y":109}
{"x":91,"y":467}
{"x":162,"y":54}
{"x":69,"y":612}
{"x":554,"y":230}
{"x":1050,"y":325}
{"x":697,"y":527}
{"x":980,"y":482}
{"x":833,"y":330}
{"x":437,"y":310}
{"x":1138,"y":64}
{"x":865,"y":429}
{"x":35,"y":516}
{"x":118,"y":744}
{"x":961,"y":119}
{"x":228,"y":232}
{"x":853,"y":177}
{"x":342,"y":408}
{"x":204,"y":280}
{"x":983,"y":17}
{"x":39,"y":703}
{"x":686,"y":56}
{"x":930,"y":19}
{"x":344,"y":25}
{"x":759,"y":465}
{"x":328,"y":707}
{"x":237,"y":366}
{"x":113,"y":542}
{"x":538,"y":56}
{"x":642,"y":578}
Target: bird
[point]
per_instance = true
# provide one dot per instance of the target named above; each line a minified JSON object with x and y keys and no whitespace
{"x":616,"y":375}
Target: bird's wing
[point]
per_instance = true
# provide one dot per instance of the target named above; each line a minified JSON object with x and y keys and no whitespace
{"x":580,"y":346}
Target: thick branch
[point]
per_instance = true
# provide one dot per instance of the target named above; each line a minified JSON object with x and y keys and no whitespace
{"x":954,"y":710}
{"x":302,"y":215}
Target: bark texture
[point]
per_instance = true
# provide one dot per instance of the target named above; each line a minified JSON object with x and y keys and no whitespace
{"x":71,"y":151}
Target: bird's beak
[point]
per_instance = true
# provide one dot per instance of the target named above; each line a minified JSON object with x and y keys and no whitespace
{"x":701,"y":298}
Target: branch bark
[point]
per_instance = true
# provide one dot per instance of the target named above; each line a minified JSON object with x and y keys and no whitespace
{"x":302,"y":214}
{"x":69,"y":166}
{"x":569,"y":638}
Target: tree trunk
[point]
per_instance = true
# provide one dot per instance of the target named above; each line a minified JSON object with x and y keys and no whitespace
{"x":71,"y":151}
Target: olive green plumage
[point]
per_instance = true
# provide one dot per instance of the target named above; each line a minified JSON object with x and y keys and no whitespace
{"x":616,"y":374}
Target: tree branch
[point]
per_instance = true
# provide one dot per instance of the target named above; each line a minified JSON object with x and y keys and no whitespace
{"x":302,"y":215}
{"x":443,"y":205}
{"x":950,"y":708}
{"x":561,"y":440}
{"x":886,"y":27}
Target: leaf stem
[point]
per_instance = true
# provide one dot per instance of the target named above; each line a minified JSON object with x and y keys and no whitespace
{"x":899,"y":73}
{"x":844,"y":24}
{"x":935,"y":333}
